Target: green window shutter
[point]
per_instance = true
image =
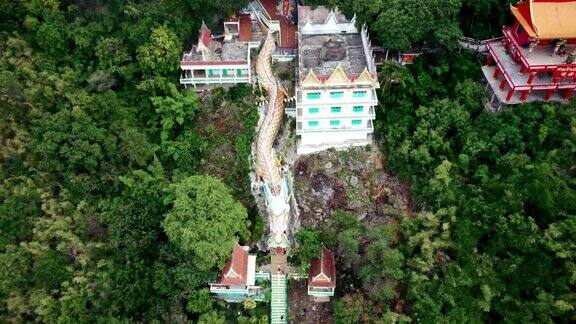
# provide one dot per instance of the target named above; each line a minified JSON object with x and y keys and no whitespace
{"x":210,"y":72}
{"x":313,"y":123}
{"x":225,"y":72}
{"x":313,"y":95}
{"x":359,"y":94}
{"x":358,"y":109}
{"x":335,"y":109}
{"x":337,"y":94}
{"x":334,"y":123}
{"x":238,"y":71}
{"x":313,"y":110}
{"x":356,"y":122}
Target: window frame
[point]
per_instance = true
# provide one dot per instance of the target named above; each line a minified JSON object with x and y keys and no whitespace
{"x":313,"y":95}
{"x":335,"y":110}
{"x":336,"y":94}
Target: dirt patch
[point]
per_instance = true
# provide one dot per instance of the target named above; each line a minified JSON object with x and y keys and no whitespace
{"x":354,"y":180}
{"x":303,"y":310}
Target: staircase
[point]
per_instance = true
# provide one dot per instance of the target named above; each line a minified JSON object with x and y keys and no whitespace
{"x":279,"y":300}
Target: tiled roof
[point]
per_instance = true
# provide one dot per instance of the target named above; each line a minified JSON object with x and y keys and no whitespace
{"x":235,"y":272}
{"x":245,"y":28}
{"x":287,"y":28}
{"x":322,"y":270}
{"x":547,"y":19}
{"x":205,"y":35}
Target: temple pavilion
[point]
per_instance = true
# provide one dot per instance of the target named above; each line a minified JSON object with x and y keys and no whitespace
{"x":535,"y":60}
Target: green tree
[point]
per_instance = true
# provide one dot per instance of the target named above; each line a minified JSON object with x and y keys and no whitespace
{"x":160,"y":55}
{"x":204,"y":219}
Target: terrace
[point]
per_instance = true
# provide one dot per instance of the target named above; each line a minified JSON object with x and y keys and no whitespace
{"x":541,"y":58}
{"x":521,"y":81}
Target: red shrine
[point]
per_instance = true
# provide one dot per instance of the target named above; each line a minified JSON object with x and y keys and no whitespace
{"x":536,"y":58}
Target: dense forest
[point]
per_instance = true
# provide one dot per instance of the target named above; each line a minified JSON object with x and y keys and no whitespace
{"x":103,"y":160}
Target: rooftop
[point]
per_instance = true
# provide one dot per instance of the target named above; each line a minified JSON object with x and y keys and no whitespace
{"x":547,"y":19}
{"x":240,"y":268}
{"x":323,"y":53}
{"x":219,"y":52}
{"x":319,"y":15}
{"x":322,"y":270}
{"x":288,"y":28}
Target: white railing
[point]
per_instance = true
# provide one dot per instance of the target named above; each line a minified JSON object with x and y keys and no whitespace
{"x":211,"y":80}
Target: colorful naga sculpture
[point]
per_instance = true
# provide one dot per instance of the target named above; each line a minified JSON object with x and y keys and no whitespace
{"x":268,"y":165}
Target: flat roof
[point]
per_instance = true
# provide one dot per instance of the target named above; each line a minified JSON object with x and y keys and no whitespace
{"x":220,"y":52}
{"x":318,"y":15}
{"x":323,"y":53}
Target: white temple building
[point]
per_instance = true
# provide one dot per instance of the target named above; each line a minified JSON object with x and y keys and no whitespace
{"x":336,"y":87}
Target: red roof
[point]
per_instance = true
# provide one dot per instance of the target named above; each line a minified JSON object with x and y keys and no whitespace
{"x":236,"y":270}
{"x":205,"y":35}
{"x":322,"y":270}
{"x":287,"y":28}
{"x":245,"y":28}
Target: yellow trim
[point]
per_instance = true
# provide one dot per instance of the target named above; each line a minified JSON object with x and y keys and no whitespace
{"x":311,"y":79}
{"x":365,"y":77}
{"x":338,"y":76}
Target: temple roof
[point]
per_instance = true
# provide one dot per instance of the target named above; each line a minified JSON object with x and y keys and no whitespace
{"x":547,"y":19}
{"x":288,"y":28}
{"x":235,"y":272}
{"x":319,"y":15}
{"x":245,"y":28}
{"x":205,"y":35}
{"x":322,"y":270}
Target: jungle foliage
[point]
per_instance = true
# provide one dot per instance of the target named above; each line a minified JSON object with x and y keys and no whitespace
{"x":102,"y":156}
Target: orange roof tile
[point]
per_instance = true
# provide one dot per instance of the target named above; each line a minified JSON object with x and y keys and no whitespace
{"x":287,"y":28}
{"x":322,"y":270}
{"x":236,"y":270}
{"x":547,"y":19}
{"x":245,"y":28}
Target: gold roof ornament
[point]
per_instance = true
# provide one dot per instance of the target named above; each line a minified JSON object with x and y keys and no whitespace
{"x":365,"y":77}
{"x":338,"y":76}
{"x":311,"y":79}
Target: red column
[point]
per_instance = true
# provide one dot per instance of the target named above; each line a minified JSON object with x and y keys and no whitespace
{"x":489,"y":60}
{"x":502,"y":84}
{"x":549,"y":94}
{"x":523,"y":69}
{"x":496,"y":73}
{"x":568,"y":94}
{"x":524,"y":95}
{"x":531,"y":77}
{"x":510,"y":94}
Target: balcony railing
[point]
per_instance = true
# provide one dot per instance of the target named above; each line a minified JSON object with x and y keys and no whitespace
{"x":371,"y":114}
{"x":507,"y":68}
{"x":530,"y":60}
{"x":370,"y":99}
{"x":366,"y":127}
{"x":215,"y":80}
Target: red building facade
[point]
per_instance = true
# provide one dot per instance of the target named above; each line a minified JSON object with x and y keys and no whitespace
{"x":536,"y":58}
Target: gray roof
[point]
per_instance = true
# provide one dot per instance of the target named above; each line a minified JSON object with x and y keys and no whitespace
{"x":318,"y":15}
{"x":322,"y":53}
{"x":220,"y":51}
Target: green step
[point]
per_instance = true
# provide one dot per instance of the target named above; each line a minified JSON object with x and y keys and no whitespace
{"x":279,"y":300}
